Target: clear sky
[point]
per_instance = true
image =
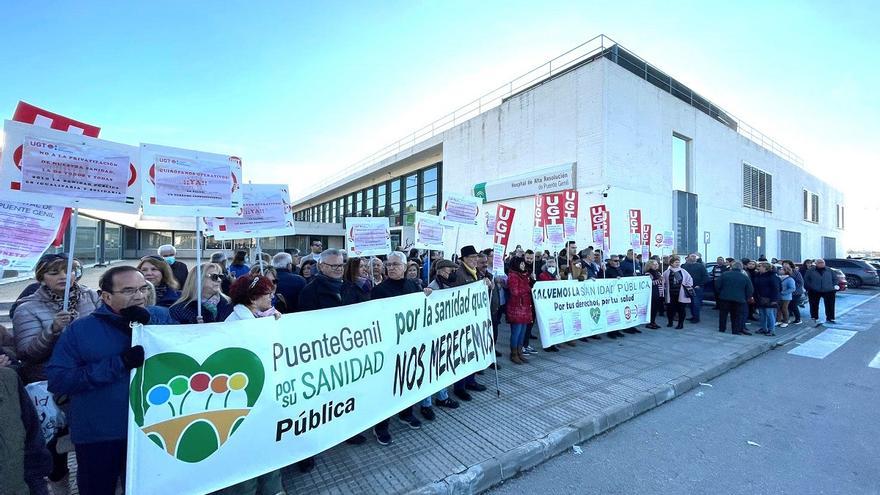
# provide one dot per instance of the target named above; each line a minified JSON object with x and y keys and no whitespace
{"x":301,"y":90}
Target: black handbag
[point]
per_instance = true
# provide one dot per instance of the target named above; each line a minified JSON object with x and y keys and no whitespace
{"x":690,"y":291}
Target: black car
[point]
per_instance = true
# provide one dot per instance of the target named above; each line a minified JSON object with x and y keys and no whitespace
{"x":858,"y":272}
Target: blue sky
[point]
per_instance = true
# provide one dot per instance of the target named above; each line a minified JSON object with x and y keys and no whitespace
{"x":300,"y":90}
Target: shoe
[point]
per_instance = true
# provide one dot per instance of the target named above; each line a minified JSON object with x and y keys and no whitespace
{"x":60,"y":487}
{"x":531,"y":349}
{"x":382,"y":436}
{"x":831,"y":321}
{"x":618,"y":333}
{"x":524,"y":351}
{"x":463,"y":395}
{"x":552,"y":348}
{"x":356,"y":440}
{"x":652,"y":326}
{"x":770,"y":334}
{"x":679,"y":326}
{"x":306,"y":464}
{"x":745,"y":332}
{"x":784,"y":325}
{"x":584,"y":339}
{"x":522,"y":357}
{"x":533,"y":336}
{"x":476,"y":387}
{"x":514,"y":356}
{"x":630,"y":331}
{"x":428,"y":413}
{"x":410,"y":420}
{"x":761,"y":331}
{"x":693,"y":320}
{"x":668,"y":324}
{"x":571,"y":343}
{"x":797,"y":322}
{"x":636,"y":330}
{"x":448,"y":403}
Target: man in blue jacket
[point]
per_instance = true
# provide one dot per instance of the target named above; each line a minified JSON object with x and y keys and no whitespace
{"x":289,"y":283}
{"x":91,"y":364}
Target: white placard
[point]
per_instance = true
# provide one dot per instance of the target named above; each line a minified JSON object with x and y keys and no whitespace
{"x":569,"y":226}
{"x":429,"y":232}
{"x":266,"y":213}
{"x":460,"y":209}
{"x":48,"y":167}
{"x":490,"y":223}
{"x":180,"y":182}
{"x":367,"y":236}
{"x":556,"y":236}
{"x":35,"y":227}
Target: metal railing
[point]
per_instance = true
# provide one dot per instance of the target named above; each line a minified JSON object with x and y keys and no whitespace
{"x":590,"y":49}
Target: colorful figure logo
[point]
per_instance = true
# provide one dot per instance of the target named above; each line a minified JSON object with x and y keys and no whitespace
{"x":190,"y":410}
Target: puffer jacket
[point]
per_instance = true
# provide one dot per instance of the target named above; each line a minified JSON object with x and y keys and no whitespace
{"x":32,"y":329}
{"x":519,"y":306}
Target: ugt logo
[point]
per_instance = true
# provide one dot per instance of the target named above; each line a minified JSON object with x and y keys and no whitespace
{"x":190,"y":410}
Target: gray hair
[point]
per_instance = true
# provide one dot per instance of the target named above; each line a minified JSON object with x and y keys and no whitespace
{"x":282,"y":260}
{"x":329,"y":252}
{"x":737,"y":265}
{"x":165,"y":248}
{"x":401,"y":257}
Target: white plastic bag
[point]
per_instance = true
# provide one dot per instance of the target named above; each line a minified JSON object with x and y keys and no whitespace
{"x":51,"y":416}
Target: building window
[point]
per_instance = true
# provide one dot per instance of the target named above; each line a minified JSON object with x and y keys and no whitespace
{"x":811,"y":206}
{"x":757,"y":188}
{"x":152,"y":239}
{"x":381,"y":200}
{"x":789,"y":245}
{"x":681,"y":163}
{"x":840,"y":219}
{"x":429,"y":190}
{"x":829,"y":247}
{"x":749,"y":241}
{"x":393,"y":212}
{"x":185,"y":240}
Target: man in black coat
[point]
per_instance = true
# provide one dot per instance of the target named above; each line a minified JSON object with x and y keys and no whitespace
{"x":695,"y":267}
{"x":289,"y":284}
{"x":466,"y":274}
{"x":734,"y":289}
{"x":612,"y":270}
{"x":178,"y":268}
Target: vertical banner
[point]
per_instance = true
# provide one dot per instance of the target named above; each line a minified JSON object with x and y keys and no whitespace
{"x":490,"y":223}
{"x":646,"y":234}
{"x":658,"y":239}
{"x":367,"y":236}
{"x":556,"y":206}
{"x":635,"y":226}
{"x":428,"y":232}
{"x":503,"y":224}
{"x":539,"y":211}
{"x":599,"y":219}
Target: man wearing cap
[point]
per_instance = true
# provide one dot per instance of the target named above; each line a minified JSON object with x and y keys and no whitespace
{"x":467,"y":274}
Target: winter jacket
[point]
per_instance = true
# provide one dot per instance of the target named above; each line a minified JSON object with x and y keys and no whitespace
{"x":30,"y":289}
{"x":629,"y":267}
{"x":32,"y":329}
{"x":352,"y":293}
{"x":239,"y":270}
{"x":612,"y":272}
{"x":240,"y":312}
{"x":87,"y":367}
{"x":462,"y":276}
{"x":767,"y":289}
{"x":656,"y":284}
{"x":519,"y":305}
{"x":180,"y":271}
{"x":187,"y":314}
{"x":788,"y":286}
{"x":392,"y":288}
{"x":798,"y":284}
{"x":545,"y":276}
{"x":168,"y":298}
{"x":816,"y":281}
{"x":24,"y":459}
{"x":735,"y":286}
{"x":289,"y":286}
{"x":698,"y":273}
{"x":321,"y":292}
{"x":686,"y":281}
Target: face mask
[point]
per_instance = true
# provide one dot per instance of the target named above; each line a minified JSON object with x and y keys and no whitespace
{"x":551,"y":270}
{"x":169,"y":260}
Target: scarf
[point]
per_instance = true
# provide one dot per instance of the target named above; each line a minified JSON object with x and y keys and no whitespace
{"x":473,"y":272}
{"x":211,"y":304}
{"x":268,"y":312}
{"x":72,"y":299}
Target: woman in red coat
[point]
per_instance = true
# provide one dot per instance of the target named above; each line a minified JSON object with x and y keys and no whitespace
{"x":519,"y":307}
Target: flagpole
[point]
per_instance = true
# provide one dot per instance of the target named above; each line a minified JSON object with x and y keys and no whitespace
{"x":67,"y":283}
{"x":199,"y":269}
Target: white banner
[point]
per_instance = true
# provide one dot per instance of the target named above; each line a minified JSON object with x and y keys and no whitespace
{"x":180,"y":182}
{"x":219,"y":403}
{"x":568,"y":309}
{"x":461,"y":209}
{"x":428,"y":232}
{"x":367,"y":236}
{"x":48,"y":167}
{"x":266,"y":213}
{"x":34,"y":226}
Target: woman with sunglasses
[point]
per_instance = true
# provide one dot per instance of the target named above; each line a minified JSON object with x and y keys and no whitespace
{"x":215,"y":304}
{"x":158,"y":272}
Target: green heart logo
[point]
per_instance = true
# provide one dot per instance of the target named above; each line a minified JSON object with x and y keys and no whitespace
{"x":189,"y":409}
{"x":595,"y":314}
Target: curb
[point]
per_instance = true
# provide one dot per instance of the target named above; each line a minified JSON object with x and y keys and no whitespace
{"x":492,"y":472}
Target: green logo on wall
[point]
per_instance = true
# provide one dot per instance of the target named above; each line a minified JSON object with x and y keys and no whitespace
{"x":480,"y":191}
{"x":189,"y":409}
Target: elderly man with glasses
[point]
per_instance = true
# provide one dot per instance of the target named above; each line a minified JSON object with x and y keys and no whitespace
{"x":91,"y":364}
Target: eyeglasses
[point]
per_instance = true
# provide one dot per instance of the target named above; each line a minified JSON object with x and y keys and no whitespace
{"x":216,"y":277}
{"x":130,"y":291}
{"x":334,"y":267}
{"x":394,"y":265}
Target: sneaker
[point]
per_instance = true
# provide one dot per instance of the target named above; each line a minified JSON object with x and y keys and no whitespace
{"x":428,"y":413}
{"x":463,"y":395}
{"x":526,"y":351}
{"x":476,"y":387}
{"x":784,"y":325}
{"x":531,"y":349}
{"x":797,"y":322}
{"x":448,"y":403}
{"x":356,"y":440}
{"x":382,"y":436}
{"x":410,"y":420}
{"x":831,"y":321}
{"x":770,"y":334}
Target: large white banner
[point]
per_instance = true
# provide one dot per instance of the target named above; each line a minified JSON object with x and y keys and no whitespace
{"x":367,"y":236}
{"x":28,"y":231}
{"x":49,"y":167}
{"x":267,"y":212}
{"x":180,"y":182}
{"x":569,"y":309}
{"x":219,"y":403}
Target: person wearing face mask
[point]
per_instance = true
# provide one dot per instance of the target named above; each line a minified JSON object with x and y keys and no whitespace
{"x":178,"y":268}
{"x":216,"y":305}
{"x":91,"y":364}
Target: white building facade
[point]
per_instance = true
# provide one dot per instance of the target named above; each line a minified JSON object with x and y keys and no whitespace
{"x":638,"y":139}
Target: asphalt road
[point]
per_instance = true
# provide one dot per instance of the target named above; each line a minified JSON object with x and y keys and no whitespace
{"x":781,"y":423}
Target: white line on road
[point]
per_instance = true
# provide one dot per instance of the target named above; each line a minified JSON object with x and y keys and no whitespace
{"x":875,"y":363}
{"x":823,"y":344}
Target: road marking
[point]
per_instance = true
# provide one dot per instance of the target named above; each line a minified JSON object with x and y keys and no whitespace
{"x":846,"y":326}
{"x":823,"y":344}
{"x":875,"y":363}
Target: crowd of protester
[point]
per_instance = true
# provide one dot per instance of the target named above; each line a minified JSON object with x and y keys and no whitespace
{"x":85,"y":353}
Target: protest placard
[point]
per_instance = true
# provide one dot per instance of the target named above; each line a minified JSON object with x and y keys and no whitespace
{"x":503,"y":224}
{"x":429,"y":232}
{"x":569,"y":309}
{"x":646,"y":234}
{"x":600,"y":219}
{"x":668,"y":239}
{"x":367,"y":236}
{"x":461,"y":209}
{"x":569,"y":227}
{"x":50,"y":167}
{"x":490,"y":223}
{"x":266,"y":213}
{"x":182,"y":182}
{"x":555,"y":236}
{"x":34,"y":227}
{"x":216,"y":404}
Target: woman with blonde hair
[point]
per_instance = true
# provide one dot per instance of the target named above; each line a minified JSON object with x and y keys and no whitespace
{"x":215,"y":304}
{"x":157,"y":272}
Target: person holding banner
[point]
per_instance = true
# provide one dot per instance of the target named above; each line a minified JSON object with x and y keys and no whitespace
{"x":158,"y":273}
{"x":677,"y":287}
{"x":520,"y":309}
{"x":466,"y":274}
{"x":216,"y":305}
{"x":91,"y":364}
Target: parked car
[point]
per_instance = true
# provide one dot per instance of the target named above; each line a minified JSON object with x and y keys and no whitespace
{"x":841,"y":279}
{"x":858,"y":272}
